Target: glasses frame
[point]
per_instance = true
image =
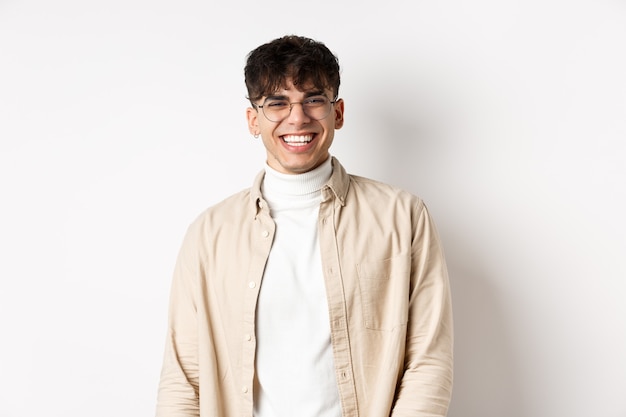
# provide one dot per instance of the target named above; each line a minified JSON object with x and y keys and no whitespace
{"x":291,"y":104}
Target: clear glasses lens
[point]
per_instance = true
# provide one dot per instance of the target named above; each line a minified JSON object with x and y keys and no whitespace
{"x":277,"y":110}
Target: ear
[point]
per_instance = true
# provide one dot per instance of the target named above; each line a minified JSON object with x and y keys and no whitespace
{"x":338,"y":109}
{"x":253,"y":120}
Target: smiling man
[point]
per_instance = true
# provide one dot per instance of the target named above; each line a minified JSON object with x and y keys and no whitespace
{"x":314,"y":293}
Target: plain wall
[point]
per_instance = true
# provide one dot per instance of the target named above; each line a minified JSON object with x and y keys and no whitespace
{"x":120,"y":121}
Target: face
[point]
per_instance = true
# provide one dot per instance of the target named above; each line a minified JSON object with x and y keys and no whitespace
{"x":297,"y":144}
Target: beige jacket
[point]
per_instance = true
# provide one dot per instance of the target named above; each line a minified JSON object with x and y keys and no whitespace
{"x":388,"y":299}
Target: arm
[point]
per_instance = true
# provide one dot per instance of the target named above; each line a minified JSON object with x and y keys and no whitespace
{"x":178,"y":387}
{"x":425,"y":387}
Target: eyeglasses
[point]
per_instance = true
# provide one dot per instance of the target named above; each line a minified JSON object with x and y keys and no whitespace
{"x":278,"y":109}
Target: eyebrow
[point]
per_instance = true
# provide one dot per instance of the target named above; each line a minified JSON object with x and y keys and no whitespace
{"x":306,"y":95}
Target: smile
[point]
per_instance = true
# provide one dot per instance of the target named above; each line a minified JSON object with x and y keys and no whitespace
{"x":297,"y":140}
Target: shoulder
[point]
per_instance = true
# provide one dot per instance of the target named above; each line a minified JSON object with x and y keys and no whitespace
{"x":233,"y":207}
{"x":222,"y":219}
{"x":362,"y":188}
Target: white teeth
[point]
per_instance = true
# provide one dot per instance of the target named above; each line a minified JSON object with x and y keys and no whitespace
{"x":298,"y":140}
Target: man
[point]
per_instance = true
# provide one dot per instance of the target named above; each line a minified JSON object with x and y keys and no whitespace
{"x":314,"y":293}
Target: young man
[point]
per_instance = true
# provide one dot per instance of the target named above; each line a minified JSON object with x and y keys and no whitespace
{"x":314,"y":293}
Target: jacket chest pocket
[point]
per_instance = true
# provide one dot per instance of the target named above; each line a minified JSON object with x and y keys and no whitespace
{"x":384,"y":286}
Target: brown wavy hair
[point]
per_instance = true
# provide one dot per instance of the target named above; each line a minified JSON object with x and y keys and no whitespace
{"x":302,"y":59}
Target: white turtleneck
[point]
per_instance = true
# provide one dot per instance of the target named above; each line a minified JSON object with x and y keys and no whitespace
{"x":295,"y":374}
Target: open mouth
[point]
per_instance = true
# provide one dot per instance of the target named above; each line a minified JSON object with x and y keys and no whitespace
{"x":297,"y":140}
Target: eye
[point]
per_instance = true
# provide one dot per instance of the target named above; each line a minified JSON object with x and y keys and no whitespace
{"x":315,"y":101}
{"x":276,"y":104}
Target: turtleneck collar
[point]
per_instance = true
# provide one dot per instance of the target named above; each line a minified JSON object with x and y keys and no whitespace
{"x":289,"y":185}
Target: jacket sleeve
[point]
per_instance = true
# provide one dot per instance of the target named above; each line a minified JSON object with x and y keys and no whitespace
{"x":178,"y":387}
{"x":425,"y":387}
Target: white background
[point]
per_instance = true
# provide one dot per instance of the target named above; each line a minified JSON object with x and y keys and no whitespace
{"x":121,"y":120}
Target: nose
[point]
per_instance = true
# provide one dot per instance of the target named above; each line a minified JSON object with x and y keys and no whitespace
{"x":297,"y":113}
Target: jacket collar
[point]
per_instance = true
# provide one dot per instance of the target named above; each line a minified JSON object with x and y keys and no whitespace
{"x":339,"y":182}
